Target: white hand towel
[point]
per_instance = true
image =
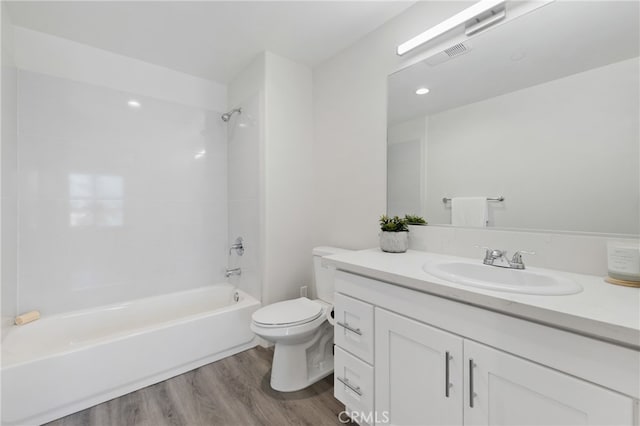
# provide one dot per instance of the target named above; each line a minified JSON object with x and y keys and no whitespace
{"x":469,"y":211}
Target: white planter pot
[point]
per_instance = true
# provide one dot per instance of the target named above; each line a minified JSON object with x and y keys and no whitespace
{"x":394,"y":242}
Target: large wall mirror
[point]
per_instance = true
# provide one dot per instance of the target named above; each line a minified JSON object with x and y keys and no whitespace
{"x":543,"y":110}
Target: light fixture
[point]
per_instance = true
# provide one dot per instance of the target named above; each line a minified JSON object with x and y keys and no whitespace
{"x":422,"y":91}
{"x":200,"y":154}
{"x":133,"y":103}
{"x":475,"y":18}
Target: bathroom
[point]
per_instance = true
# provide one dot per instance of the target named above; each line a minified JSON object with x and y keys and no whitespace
{"x":165,"y":210}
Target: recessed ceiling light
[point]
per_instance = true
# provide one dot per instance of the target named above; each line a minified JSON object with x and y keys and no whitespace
{"x":422,"y":91}
{"x":133,"y":103}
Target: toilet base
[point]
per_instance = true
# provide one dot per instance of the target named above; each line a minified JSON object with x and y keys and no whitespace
{"x":299,"y":365}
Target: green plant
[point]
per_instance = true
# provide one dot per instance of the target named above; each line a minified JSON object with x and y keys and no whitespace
{"x":393,"y":224}
{"x":414,"y":220}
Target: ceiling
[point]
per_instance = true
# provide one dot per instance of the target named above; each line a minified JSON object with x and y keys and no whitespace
{"x":557,"y":40}
{"x":209,"y":39}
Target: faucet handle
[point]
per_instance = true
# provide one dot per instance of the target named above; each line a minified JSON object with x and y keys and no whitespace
{"x":517,"y":256}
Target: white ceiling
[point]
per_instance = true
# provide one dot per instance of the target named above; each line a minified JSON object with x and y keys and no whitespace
{"x":209,"y":39}
{"x":557,"y":40}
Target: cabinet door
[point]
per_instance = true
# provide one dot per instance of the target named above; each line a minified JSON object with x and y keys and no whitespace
{"x":506,"y":390}
{"x":418,"y":372}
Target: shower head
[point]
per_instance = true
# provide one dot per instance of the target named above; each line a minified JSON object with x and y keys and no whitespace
{"x":227,"y":115}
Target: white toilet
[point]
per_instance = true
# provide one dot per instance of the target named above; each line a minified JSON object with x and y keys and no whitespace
{"x":302,"y":335}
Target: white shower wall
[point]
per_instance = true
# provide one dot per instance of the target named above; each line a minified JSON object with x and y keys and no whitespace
{"x":244,"y":133}
{"x":115,"y":202}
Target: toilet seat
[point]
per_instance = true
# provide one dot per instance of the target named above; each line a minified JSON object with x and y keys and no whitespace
{"x":288,"y":313}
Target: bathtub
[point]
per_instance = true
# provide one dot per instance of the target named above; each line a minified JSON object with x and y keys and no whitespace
{"x":65,"y":363}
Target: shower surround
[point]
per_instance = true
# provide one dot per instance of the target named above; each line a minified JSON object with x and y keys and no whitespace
{"x":120,"y":196}
{"x":123,"y":230}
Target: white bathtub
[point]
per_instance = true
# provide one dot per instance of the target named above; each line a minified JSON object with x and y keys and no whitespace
{"x":65,"y":363}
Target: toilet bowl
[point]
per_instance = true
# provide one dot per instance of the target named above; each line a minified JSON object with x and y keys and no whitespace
{"x":299,"y":329}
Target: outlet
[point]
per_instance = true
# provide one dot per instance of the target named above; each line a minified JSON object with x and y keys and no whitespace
{"x":303,"y":291}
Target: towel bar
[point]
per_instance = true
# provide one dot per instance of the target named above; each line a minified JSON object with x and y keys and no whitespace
{"x":500,"y":198}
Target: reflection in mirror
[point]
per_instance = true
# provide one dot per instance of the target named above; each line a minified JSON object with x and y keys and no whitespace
{"x":543,"y":110}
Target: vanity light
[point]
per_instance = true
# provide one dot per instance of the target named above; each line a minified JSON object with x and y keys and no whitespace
{"x":422,"y":91}
{"x":133,"y":103}
{"x":470,"y":18}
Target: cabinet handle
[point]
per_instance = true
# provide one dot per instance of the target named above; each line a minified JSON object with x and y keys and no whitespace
{"x":348,"y":327}
{"x":346,"y":382}
{"x":472,"y":394}
{"x":447,"y":384}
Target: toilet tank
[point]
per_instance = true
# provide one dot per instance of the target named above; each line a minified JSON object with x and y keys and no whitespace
{"x":324,"y":275}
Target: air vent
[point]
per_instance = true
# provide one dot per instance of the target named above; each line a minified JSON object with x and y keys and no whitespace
{"x":448,"y":53}
{"x":456,"y":50}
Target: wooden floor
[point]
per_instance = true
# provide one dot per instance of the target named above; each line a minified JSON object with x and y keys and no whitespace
{"x":233,"y":391}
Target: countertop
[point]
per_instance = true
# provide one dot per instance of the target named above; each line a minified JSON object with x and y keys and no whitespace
{"x":603,"y":311}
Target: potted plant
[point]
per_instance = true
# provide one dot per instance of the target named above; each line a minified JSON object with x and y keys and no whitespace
{"x":394,"y":237}
{"x":414,"y":220}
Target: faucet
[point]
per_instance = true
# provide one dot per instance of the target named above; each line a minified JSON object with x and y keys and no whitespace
{"x":237,"y":246}
{"x":491,"y":255}
{"x":234,"y":271}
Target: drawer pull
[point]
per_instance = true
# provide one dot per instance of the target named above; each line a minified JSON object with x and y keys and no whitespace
{"x":472,"y":394}
{"x":348,"y":327}
{"x":346,"y":382}
{"x":447,"y":383}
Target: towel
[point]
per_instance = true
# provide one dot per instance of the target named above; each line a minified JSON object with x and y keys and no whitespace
{"x":469,"y":211}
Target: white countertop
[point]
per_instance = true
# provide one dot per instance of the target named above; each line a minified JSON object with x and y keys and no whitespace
{"x":601,"y":310}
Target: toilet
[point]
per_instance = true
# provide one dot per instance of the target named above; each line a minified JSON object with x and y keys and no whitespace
{"x":302,"y":335}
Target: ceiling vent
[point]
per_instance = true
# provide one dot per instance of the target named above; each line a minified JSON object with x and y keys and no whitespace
{"x":448,"y":53}
{"x":456,"y":50}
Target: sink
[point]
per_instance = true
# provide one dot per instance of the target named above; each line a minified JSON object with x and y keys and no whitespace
{"x":526,"y":281}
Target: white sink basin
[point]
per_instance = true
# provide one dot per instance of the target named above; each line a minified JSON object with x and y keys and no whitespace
{"x":527,"y":281}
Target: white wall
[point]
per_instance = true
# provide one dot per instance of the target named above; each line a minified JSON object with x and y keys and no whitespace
{"x":564,"y":154}
{"x":9,"y":156}
{"x":284,"y":173}
{"x":44,"y":53}
{"x":288,"y":190}
{"x":245,"y":177}
{"x":349,"y":150}
{"x":115,"y":202}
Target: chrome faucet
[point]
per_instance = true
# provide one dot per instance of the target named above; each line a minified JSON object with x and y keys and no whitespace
{"x":234,"y":271}
{"x":491,"y":255}
{"x":237,"y":246}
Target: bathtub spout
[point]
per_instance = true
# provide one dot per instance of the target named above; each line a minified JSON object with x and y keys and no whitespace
{"x":234,"y":271}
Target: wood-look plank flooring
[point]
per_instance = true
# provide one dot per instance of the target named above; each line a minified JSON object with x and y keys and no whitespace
{"x":234,"y":391}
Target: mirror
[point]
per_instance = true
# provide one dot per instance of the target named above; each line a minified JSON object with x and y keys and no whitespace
{"x":542,"y":110}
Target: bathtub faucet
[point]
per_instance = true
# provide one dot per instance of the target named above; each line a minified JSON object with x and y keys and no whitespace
{"x":234,"y":271}
{"x":237,"y":246}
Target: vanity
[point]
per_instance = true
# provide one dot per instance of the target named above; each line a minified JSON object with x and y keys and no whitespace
{"x":415,"y":349}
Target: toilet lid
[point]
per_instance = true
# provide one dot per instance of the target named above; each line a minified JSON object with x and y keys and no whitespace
{"x":289,"y":312}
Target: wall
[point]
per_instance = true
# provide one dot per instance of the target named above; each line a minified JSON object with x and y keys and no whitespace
{"x":115,"y":202}
{"x":349,"y":156}
{"x":245,"y":182}
{"x":39,"y":52}
{"x":349,"y":149}
{"x":564,"y":154}
{"x":288,"y":195}
{"x":8,"y":178}
{"x":284,"y":89}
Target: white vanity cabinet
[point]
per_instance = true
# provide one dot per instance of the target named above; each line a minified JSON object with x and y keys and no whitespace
{"x":508,"y":390}
{"x":418,"y":372}
{"x":440,"y":362}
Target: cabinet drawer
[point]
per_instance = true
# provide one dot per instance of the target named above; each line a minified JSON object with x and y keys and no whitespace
{"x":353,"y":382}
{"x":354,"y":326}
